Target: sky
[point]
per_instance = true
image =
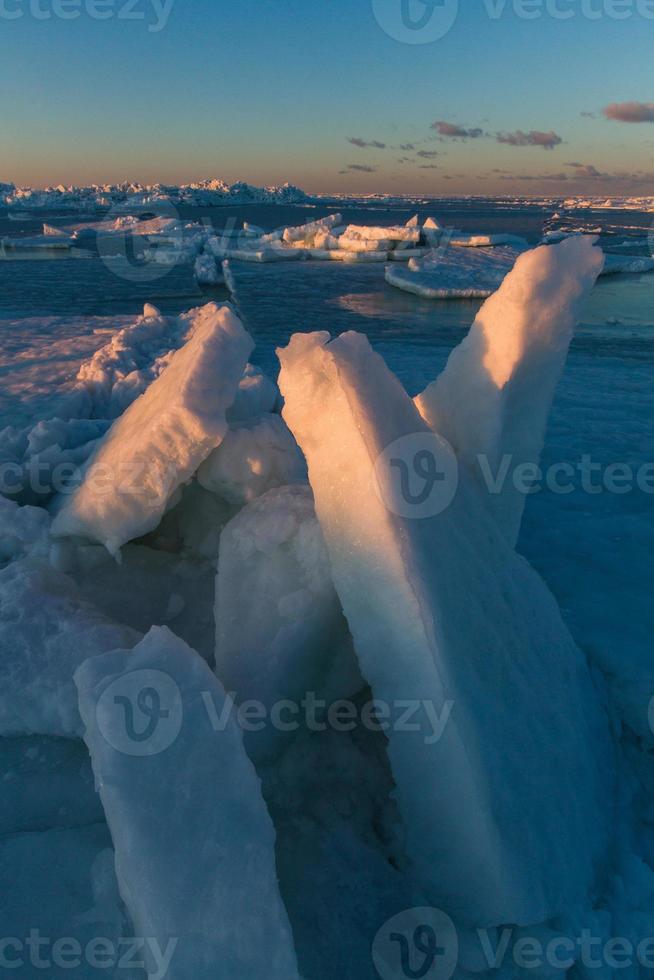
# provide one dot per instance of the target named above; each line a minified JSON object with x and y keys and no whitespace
{"x":530,"y":97}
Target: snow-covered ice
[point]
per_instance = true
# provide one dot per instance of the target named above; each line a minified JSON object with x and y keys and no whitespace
{"x":194,"y":843}
{"x":162,"y":438}
{"x":453,"y":273}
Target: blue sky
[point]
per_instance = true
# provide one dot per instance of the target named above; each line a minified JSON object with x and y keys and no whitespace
{"x":271,"y":90}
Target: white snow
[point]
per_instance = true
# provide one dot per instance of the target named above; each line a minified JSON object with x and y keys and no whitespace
{"x":162,"y":438}
{"x":256,"y":455}
{"x":455,"y":273}
{"x":493,"y":399}
{"x":194,"y":843}
{"x":443,"y":611}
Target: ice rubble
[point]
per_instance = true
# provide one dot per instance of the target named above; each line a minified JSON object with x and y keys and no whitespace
{"x":193,"y":839}
{"x":205,"y":193}
{"x":455,"y":273}
{"x":162,"y":438}
{"x":326,"y":239}
{"x":443,"y":608}
{"x":614,"y":264}
{"x":280,"y":632}
{"x":493,"y":399}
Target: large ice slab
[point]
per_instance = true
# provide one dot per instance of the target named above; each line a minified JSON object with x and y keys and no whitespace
{"x":455,"y":273}
{"x":160,"y":441}
{"x":493,"y":398}
{"x":197,"y":866}
{"x":445,"y":614}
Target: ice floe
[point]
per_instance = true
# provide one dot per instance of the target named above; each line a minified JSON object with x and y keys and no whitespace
{"x":162,"y":438}
{"x":441,"y":607}
{"x":451,"y":273}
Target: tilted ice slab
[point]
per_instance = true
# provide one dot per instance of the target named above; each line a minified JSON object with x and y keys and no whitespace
{"x":455,"y":273}
{"x":195,"y":846}
{"x":493,"y":399}
{"x":507,"y":813}
{"x":162,"y":438}
{"x":397,"y":233}
{"x":302,"y":232}
{"x":46,"y":631}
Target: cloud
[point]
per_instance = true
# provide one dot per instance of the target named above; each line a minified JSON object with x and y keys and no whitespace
{"x":588,"y":115}
{"x":585,"y":170}
{"x":365,"y":144}
{"x":547,"y":141}
{"x":362,"y":168}
{"x":429,"y":166}
{"x":407,"y":147}
{"x":427,"y":154}
{"x":630,"y":112}
{"x":453,"y":131}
